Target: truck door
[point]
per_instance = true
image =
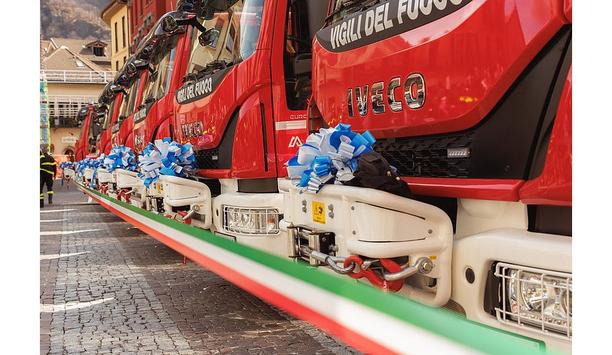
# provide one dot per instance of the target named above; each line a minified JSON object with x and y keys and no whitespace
{"x":294,"y":30}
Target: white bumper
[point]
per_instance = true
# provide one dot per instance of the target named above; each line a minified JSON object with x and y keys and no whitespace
{"x":513,"y":246}
{"x":105,"y":177}
{"x":377,"y":224}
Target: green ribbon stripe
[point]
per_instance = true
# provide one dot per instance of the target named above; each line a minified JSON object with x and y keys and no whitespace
{"x":439,"y":321}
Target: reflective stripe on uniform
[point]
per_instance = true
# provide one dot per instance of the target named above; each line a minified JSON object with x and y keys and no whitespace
{"x":47,"y":171}
{"x":49,"y":163}
{"x":49,"y":192}
{"x":42,"y":196}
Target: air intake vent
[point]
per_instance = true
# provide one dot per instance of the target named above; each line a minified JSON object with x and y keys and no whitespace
{"x":207,"y":159}
{"x":434,"y":156}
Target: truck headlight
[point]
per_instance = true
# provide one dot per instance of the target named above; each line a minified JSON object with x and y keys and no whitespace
{"x":535,"y":298}
{"x":253,"y":221}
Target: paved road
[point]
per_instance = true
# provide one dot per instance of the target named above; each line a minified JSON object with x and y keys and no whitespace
{"x":108,"y":288}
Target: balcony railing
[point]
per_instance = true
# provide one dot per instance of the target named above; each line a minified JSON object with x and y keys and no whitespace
{"x":63,"y":109}
{"x":77,"y":76}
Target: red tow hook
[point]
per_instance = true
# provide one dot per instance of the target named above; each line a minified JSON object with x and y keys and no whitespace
{"x":183,"y":214}
{"x":104,"y":188}
{"x":373,"y":277}
{"x":124,"y":194}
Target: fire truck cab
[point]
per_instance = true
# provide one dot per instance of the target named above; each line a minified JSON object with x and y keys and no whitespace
{"x":242,"y":106}
{"x":471,"y":102}
{"x":84,"y":119}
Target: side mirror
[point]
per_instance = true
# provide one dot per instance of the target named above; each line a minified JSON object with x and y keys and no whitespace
{"x":209,"y":38}
{"x":169,"y":24}
{"x":146,"y":51}
{"x":115,"y":89}
{"x":123,"y":79}
{"x":101,"y":107}
{"x":136,"y":65}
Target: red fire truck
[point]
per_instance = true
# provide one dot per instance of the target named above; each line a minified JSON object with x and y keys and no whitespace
{"x":242,"y":105}
{"x":112,"y":101}
{"x":122,"y":130}
{"x":84,"y":118}
{"x":169,"y":50}
{"x":470,"y":100}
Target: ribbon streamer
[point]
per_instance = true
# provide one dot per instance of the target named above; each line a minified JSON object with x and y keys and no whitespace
{"x":166,"y":157}
{"x":120,"y":157}
{"x":95,"y":164}
{"x":329,"y":156}
{"x":68,"y":165}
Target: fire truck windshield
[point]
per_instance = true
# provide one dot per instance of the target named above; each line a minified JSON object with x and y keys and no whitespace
{"x":234,"y":36}
{"x":109,"y":114}
{"x":162,"y":63}
{"x":127,"y":105}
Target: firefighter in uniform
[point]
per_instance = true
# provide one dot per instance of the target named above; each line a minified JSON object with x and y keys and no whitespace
{"x":48,"y":168}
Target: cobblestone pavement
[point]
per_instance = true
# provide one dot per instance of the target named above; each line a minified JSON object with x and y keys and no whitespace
{"x":108,"y":288}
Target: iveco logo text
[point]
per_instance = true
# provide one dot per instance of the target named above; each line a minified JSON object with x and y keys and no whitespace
{"x":192,"y":130}
{"x":413,"y":88}
{"x":383,"y":18}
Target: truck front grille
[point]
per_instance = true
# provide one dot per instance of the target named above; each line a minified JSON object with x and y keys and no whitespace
{"x":207,"y":158}
{"x":427,"y":156}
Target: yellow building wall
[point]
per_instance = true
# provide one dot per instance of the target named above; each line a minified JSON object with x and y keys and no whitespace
{"x":120,"y":38}
{"x":95,"y":90}
{"x":63,"y":142}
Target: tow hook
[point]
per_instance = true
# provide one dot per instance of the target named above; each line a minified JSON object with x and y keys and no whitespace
{"x":373,"y":277}
{"x":393,"y":274}
{"x":195,"y":209}
{"x":185,"y":217}
{"x":124,"y":194}
{"x":423,"y":265}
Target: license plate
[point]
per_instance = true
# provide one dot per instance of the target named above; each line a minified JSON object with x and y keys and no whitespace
{"x":318,"y":212}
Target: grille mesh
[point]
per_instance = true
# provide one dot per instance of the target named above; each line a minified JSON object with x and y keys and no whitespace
{"x":207,"y":159}
{"x":426,"y":156}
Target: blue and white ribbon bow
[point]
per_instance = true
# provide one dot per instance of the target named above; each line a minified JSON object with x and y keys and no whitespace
{"x":329,"y":155}
{"x":120,"y":157}
{"x":95,"y":164}
{"x":84,"y":164}
{"x":165,"y":157}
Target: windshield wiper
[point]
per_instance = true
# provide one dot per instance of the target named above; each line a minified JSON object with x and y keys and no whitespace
{"x":209,"y":69}
{"x":349,"y":5}
{"x":215,"y":66}
{"x":344,"y":6}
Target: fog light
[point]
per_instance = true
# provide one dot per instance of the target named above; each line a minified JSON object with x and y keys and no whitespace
{"x":252,"y":221}
{"x":535,"y":298}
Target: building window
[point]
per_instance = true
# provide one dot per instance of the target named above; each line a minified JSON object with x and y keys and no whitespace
{"x":123,"y":30}
{"x":116,"y":40}
{"x":98,"y":51}
{"x":117,"y":65}
{"x":124,"y":60}
{"x":79,"y":64}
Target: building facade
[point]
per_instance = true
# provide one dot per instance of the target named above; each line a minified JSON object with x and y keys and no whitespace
{"x":116,"y":16}
{"x":143,"y":15}
{"x":75,"y":72}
